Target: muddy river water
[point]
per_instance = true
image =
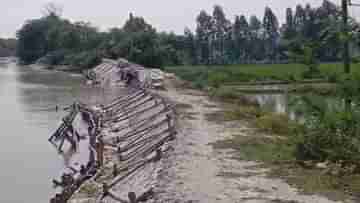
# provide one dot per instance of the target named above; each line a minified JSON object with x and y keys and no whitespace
{"x":28,"y":97}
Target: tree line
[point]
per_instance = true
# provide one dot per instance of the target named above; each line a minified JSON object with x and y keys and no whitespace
{"x":216,"y":40}
{"x":7,"y":47}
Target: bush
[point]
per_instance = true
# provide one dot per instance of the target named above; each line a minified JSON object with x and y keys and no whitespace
{"x":276,"y":123}
{"x":335,"y":137}
{"x":83,"y":60}
{"x":330,"y":133}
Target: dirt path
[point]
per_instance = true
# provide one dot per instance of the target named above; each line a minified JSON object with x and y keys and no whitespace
{"x":196,"y":172}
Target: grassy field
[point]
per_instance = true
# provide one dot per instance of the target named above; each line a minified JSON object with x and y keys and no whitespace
{"x":205,"y":75}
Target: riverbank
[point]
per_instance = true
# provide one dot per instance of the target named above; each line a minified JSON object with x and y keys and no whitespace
{"x":268,"y":139}
{"x":216,"y":158}
{"x":244,"y":159}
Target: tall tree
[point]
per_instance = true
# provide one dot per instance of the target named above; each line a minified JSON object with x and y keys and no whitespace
{"x":190,"y":47}
{"x":241,"y":37}
{"x":137,"y":24}
{"x":256,"y":39}
{"x":271,"y":33}
{"x":203,"y":34}
{"x":220,"y":31}
{"x":300,"y":18}
{"x":289,"y":27}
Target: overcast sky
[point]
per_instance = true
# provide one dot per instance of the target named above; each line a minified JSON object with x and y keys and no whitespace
{"x":165,"y":15}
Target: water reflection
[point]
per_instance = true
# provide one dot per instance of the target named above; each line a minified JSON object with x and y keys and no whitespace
{"x":278,"y":103}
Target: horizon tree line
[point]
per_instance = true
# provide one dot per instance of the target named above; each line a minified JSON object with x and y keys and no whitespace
{"x":216,"y":39}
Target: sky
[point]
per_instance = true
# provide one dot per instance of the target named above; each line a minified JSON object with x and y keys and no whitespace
{"x":164,"y":15}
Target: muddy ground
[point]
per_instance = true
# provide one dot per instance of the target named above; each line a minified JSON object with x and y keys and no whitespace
{"x":197,"y":172}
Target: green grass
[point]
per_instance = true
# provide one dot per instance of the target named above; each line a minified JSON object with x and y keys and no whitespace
{"x":203,"y":75}
{"x":278,"y":153}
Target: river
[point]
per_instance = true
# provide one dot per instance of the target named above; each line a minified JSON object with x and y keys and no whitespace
{"x":28,"y":97}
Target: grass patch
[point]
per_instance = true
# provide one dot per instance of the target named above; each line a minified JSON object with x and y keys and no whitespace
{"x":213,"y":75}
{"x":311,"y":181}
{"x":279,"y":124}
{"x":243,"y":112}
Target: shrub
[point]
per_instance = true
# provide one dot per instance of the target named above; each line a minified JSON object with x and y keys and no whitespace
{"x":276,"y":123}
{"x":83,"y":60}
{"x":330,"y":133}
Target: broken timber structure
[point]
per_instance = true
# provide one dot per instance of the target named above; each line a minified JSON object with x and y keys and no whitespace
{"x":128,"y":137}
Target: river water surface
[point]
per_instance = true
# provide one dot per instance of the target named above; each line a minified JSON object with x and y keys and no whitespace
{"x":28,"y":97}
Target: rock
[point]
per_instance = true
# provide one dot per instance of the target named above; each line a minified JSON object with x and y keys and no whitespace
{"x":323,"y":165}
{"x":170,"y":75}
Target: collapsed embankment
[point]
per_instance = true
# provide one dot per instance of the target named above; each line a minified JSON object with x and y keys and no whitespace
{"x":128,"y":138}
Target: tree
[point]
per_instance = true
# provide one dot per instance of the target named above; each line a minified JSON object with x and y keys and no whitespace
{"x":52,"y":9}
{"x":220,"y":31}
{"x":203,"y":34}
{"x":299,"y":19}
{"x":189,"y":47}
{"x":257,"y":48}
{"x":32,"y":40}
{"x":137,"y":24}
{"x":289,"y":31}
{"x":241,"y":37}
{"x":271,"y":33}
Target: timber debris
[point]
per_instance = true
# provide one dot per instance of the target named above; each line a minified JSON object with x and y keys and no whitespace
{"x":126,"y":136}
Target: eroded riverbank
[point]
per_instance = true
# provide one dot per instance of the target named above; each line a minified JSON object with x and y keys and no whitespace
{"x":196,"y":171}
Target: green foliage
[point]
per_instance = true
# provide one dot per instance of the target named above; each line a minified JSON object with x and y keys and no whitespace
{"x":331,"y":133}
{"x":83,"y":60}
{"x":217,"y":79}
{"x":216,"y":40}
{"x":58,"y":41}
{"x":279,"y":124}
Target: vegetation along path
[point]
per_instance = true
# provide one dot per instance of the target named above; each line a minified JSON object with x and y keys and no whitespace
{"x":199,"y":172}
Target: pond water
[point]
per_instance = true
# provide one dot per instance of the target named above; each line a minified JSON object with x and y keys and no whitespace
{"x":278,"y":103}
{"x":284,"y":103}
{"x":28,"y":97}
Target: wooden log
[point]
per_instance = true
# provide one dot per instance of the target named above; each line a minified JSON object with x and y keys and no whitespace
{"x":130,"y":109}
{"x":144,"y":121}
{"x":122,"y":118}
{"x":100,"y":152}
{"x":122,"y":99}
{"x":128,"y":102}
{"x":143,"y":140}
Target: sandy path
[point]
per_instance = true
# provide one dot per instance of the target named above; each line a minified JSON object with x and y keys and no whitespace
{"x":193,"y":172}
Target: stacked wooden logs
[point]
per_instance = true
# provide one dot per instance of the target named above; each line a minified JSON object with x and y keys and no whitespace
{"x":136,"y":127}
